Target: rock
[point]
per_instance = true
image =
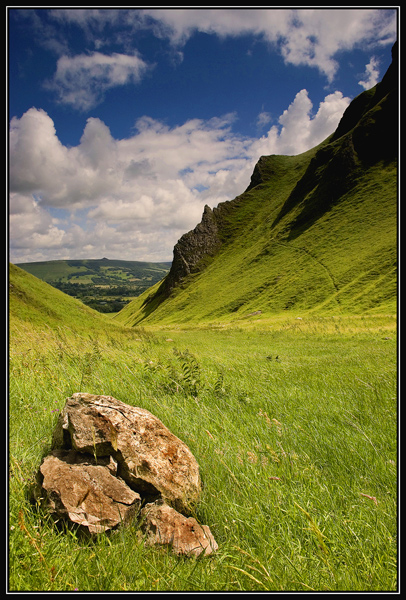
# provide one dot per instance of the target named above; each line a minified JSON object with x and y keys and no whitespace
{"x":163,"y":525}
{"x":107,"y":459}
{"x":150,"y":458}
{"x":85,"y":491}
{"x":203,"y":241}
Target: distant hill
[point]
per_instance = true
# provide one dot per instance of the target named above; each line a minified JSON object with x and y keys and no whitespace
{"x":314,"y":232}
{"x":103,"y":284}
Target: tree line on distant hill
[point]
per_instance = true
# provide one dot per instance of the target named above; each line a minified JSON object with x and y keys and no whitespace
{"x":108,"y":299}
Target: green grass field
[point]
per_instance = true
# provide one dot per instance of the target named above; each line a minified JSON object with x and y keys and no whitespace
{"x":104,"y":285}
{"x":293,"y":423}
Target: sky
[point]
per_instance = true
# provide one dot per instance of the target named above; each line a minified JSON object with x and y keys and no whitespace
{"x":124,"y":123}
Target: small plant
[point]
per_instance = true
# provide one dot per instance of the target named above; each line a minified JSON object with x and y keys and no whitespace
{"x":191,"y":376}
{"x":88,"y":361}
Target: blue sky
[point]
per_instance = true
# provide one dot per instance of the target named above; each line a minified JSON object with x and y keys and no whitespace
{"x":124,"y":122}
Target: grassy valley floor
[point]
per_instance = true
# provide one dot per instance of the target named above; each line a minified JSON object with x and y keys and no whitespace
{"x":292,"y":420}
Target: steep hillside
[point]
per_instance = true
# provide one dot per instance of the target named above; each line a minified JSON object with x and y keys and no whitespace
{"x":313,"y":232}
{"x":36,"y":305}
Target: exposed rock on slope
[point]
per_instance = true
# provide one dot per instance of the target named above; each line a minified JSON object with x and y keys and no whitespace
{"x":150,"y":457}
{"x":366,"y":134}
{"x":86,"y":491}
{"x":289,"y":237}
{"x":356,"y":112}
{"x":202,"y":242}
{"x":163,"y":525}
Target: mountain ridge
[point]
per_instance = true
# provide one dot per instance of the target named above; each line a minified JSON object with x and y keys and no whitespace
{"x":340,"y":171}
{"x":312,"y":231}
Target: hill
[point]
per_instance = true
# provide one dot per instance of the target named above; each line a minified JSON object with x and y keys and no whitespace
{"x":36,"y":306}
{"x":313,"y":232}
{"x":105,"y":285}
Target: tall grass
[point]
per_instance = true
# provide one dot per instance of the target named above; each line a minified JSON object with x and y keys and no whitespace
{"x":293,"y":425}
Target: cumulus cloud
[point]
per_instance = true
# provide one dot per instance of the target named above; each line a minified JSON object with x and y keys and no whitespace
{"x":40,"y":157}
{"x":371,"y":75}
{"x":31,"y":226}
{"x":133,"y":198}
{"x":82,"y":80}
{"x":301,"y":130}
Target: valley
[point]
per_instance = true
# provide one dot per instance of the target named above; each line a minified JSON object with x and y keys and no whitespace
{"x":292,"y":420}
{"x":105,"y":285}
{"x":269,"y":347}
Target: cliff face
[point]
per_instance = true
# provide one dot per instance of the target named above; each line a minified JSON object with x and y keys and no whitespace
{"x":202,"y":242}
{"x":366,"y":134}
{"x":357,"y":111}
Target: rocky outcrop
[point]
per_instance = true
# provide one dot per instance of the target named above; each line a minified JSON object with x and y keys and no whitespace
{"x":150,"y":458}
{"x":108,"y":459}
{"x":202,"y":242}
{"x":356,"y":112}
{"x":367,"y":133}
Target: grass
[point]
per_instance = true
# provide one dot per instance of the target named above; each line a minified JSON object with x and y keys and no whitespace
{"x":104,"y":284}
{"x":339,"y":259}
{"x":293,"y":423}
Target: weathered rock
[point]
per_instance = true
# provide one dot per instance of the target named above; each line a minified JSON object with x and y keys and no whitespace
{"x":87,"y":492}
{"x":162,"y":525}
{"x":203,"y":241}
{"x":107,"y":459}
{"x":151,"y":459}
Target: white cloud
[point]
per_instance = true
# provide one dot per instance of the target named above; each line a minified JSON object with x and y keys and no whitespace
{"x":371,"y":75}
{"x":300,"y":130}
{"x":263,"y":119}
{"x":303,"y":36}
{"x":133,"y":198}
{"x":40,"y":159}
{"x":31,"y":226}
{"x":82,"y":80}
{"x":309,"y":37}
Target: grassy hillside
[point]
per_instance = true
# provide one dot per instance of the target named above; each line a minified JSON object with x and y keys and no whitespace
{"x":293,"y":426}
{"x":38,"y":311}
{"x":315,"y":232}
{"x":105,"y":285}
{"x":292,"y":421}
{"x":342,"y":262}
{"x":275,"y":362}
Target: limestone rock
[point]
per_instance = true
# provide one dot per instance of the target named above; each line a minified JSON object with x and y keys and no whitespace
{"x":85,"y":491}
{"x":151,"y":459}
{"x":201,"y":242}
{"x":163,"y":525}
{"x":107,"y":459}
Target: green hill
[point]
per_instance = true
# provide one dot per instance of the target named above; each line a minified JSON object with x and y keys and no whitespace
{"x":36,"y":306}
{"x":314,"y":232}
